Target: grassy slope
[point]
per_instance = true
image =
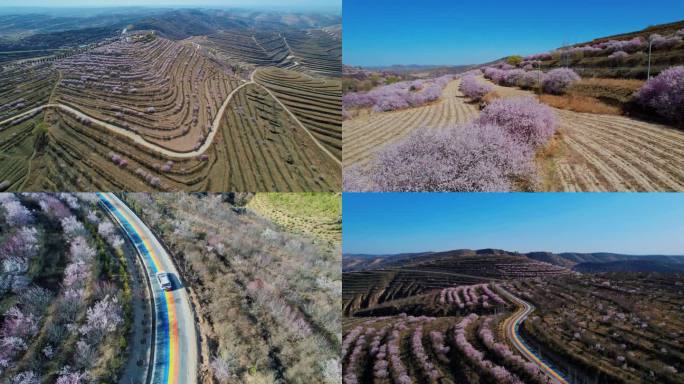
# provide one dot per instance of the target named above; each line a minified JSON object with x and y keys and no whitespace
{"x":316,"y":214}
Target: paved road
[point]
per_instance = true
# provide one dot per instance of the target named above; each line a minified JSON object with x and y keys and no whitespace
{"x":174,"y":356}
{"x":512,"y":326}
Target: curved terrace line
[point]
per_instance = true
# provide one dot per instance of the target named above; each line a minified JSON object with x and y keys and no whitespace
{"x":138,"y":139}
{"x":511,"y":327}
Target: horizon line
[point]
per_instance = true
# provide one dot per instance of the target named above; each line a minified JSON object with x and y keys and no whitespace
{"x":500,"y":249}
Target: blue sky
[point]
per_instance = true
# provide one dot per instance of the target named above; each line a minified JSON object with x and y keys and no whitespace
{"x":385,"y":32}
{"x":275,"y":4}
{"x":632,"y":223}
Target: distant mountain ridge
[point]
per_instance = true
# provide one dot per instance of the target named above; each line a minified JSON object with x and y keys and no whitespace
{"x":580,"y":262}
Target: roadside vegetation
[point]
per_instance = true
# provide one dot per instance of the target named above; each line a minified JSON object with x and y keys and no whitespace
{"x":65,"y":296}
{"x":268,"y":299}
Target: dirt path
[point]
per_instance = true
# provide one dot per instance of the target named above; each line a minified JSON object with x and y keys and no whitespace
{"x":364,"y":135}
{"x":613,"y":153}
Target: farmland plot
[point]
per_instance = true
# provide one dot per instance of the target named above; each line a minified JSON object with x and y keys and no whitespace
{"x":316,"y":103}
{"x":613,"y":153}
{"x":365,"y":134}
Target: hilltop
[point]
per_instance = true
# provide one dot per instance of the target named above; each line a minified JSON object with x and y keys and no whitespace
{"x":581,"y":262}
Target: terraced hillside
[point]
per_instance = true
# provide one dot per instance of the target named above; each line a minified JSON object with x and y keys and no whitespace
{"x":627,"y":327}
{"x":365,"y":289}
{"x":316,"y":103}
{"x":267,"y":150}
{"x":434,"y":349}
{"x":24,"y":87}
{"x":145,"y":113}
{"x":392,"y":277}
{"x":315,"y":214}
{"x":368,"y":132}
{"x":313,"y":50}
{"x":163,"y":91}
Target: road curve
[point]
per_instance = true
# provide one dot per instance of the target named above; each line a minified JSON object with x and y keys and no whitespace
{"x":511,"y":327}
{"x":165,"y":151}
{"x":174,"y":356}
{"x":136,"y":137}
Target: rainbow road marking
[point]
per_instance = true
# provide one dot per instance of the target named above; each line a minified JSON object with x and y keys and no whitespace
{"x":166,"y":357}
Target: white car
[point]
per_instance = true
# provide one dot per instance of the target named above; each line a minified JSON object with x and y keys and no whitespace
{"x":164,"y":281}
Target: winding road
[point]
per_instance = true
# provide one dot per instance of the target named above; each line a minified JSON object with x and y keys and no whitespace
{"x":512,"y":326}
{"x":174,"y":353}
{"x":138,"y":139}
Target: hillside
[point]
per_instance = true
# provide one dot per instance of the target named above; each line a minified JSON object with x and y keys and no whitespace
{"x":621,"y":56}
{"x":582,"y":262}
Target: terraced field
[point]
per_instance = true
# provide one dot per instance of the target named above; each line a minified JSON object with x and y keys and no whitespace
{"x":314,"y":51}
{"x":163,"y":91}
{"x":596,"y":152}
{"x":614,"y":153}
{"x":365,"y":134}
{"x":317,"y":103}
{"x":316,"y":214}
{"x":24,"y":87}
{"x":145,"y":113}
{"x":365,"y":289}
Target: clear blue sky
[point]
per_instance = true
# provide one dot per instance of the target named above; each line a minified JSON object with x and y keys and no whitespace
{"x":632,"y":223}
{"x":276,"y":4}
{"x":385,"y":32}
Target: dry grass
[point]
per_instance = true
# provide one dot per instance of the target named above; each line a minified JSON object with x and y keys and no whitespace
{"x":580,"y":103}
{"x":611,"y":91}
{"x":631,"y":84}
{"x":491,"y":96}
{"x":545,"y":159}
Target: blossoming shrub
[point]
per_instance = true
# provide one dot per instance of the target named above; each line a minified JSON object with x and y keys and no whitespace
{"x":557,"y":81}
{"x":475,"y":157}
{"x":665,"y":94}
{"x":524,"y":119}
{"x":472,"y":89}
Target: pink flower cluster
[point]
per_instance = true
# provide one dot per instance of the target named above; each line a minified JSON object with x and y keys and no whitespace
{"x":665,"y":94}
{"x":441,"y":350}
{"x":473,"y":89}
{"x":424,"y":362}
{"x":471,"y":297}
{"x":477,"y":358}
{"x":398,"y":95}
{"x":502,"y":350}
